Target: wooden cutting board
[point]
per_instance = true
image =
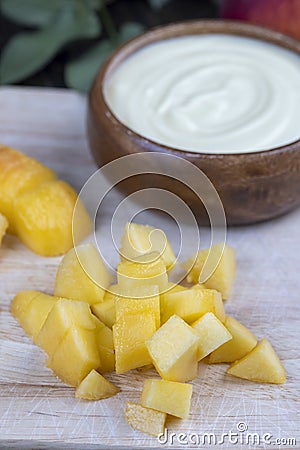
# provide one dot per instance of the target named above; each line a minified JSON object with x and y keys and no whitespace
{"x":38,"y":411}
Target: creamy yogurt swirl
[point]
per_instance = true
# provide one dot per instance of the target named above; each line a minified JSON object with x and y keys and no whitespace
{"x":210,"y":94}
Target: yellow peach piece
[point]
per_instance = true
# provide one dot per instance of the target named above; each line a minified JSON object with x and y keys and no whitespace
{"x":95,"y":387}
{"x":31,"y":309}
{"x":167,"y":396}
{"x":76,"y":355}
{"x":82,"y":275}
{"x":223,"y":274}
{"x":212,"y":334}
{"x":64,"y":315}
{"x":105,"y":344}
{"x":21,"y":302}
{"x":3,"y":226}
{"x":43,"y":218}
{"x":105,"y":311}
{"x":130,"y":335}
{"x":261,"y":365}
{"x":144,"y":419}
{"x":111,"y":292}
{"x":198,"y":286}
{"x":173,"y":287}
{"x":190,"y":304}
{"x":141,"y":239}
{"x":38,"y":207}
{"x":242,"y":342}
{"x":142,"y":299}
{"x":174,"y":350}
{"x":146,"y":270}
{"x":18,"y":174}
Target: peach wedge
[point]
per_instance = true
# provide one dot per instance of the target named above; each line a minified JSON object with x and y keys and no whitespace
{"x":261,"y":365}
{"x":95,"y":387}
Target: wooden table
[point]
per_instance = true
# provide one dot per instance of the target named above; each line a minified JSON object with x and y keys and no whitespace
{"x":38,"y":411}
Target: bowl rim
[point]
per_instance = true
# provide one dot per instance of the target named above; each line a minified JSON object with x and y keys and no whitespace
{"x":211,"y":26}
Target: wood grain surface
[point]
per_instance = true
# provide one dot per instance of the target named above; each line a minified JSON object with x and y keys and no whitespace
{"x":38,"y":411}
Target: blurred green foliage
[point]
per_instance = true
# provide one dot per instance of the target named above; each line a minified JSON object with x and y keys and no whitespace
{"x":56,"y":24}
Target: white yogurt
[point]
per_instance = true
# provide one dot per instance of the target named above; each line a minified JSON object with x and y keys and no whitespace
{"x":210,"y":93}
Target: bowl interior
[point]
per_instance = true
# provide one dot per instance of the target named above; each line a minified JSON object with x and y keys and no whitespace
{"x":188,"y":29}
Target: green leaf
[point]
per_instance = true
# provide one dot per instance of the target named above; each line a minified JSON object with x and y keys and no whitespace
{"x":26,"y":53}
{"x":94,"y":4}
{"x":39,"y":13}
{"x":32,"y":12}
{"x":79,"y":74}
{"x":130,"y":30}
{"x":158,"y":4}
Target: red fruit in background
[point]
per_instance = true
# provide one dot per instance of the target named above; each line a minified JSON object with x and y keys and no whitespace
{"x":280,"y":15}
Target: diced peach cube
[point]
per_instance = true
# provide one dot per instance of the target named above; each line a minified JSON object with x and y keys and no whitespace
{"x":222,"y":268}
{"x":242,"y":342}
{"x":31,"y":309}
{"x":144,"y":419}
{"x":190,"y":304}
{"x":173,"y":350}
{"x":139,"y":300}
{"x":76,"y":356}
{"x":167,"y":396}
{"x":105,"y":311}
{"x":64,"y":315}
{"x":82,"y":275}
{"x":130,"y":335}
{"x":146,"y":270}
{"x":212,"y":334}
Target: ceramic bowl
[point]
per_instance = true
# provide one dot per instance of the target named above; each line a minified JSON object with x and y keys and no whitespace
{"x":252,"y":186}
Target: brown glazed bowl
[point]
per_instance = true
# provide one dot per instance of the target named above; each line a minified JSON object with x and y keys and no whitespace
{"x":252,"y":186}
